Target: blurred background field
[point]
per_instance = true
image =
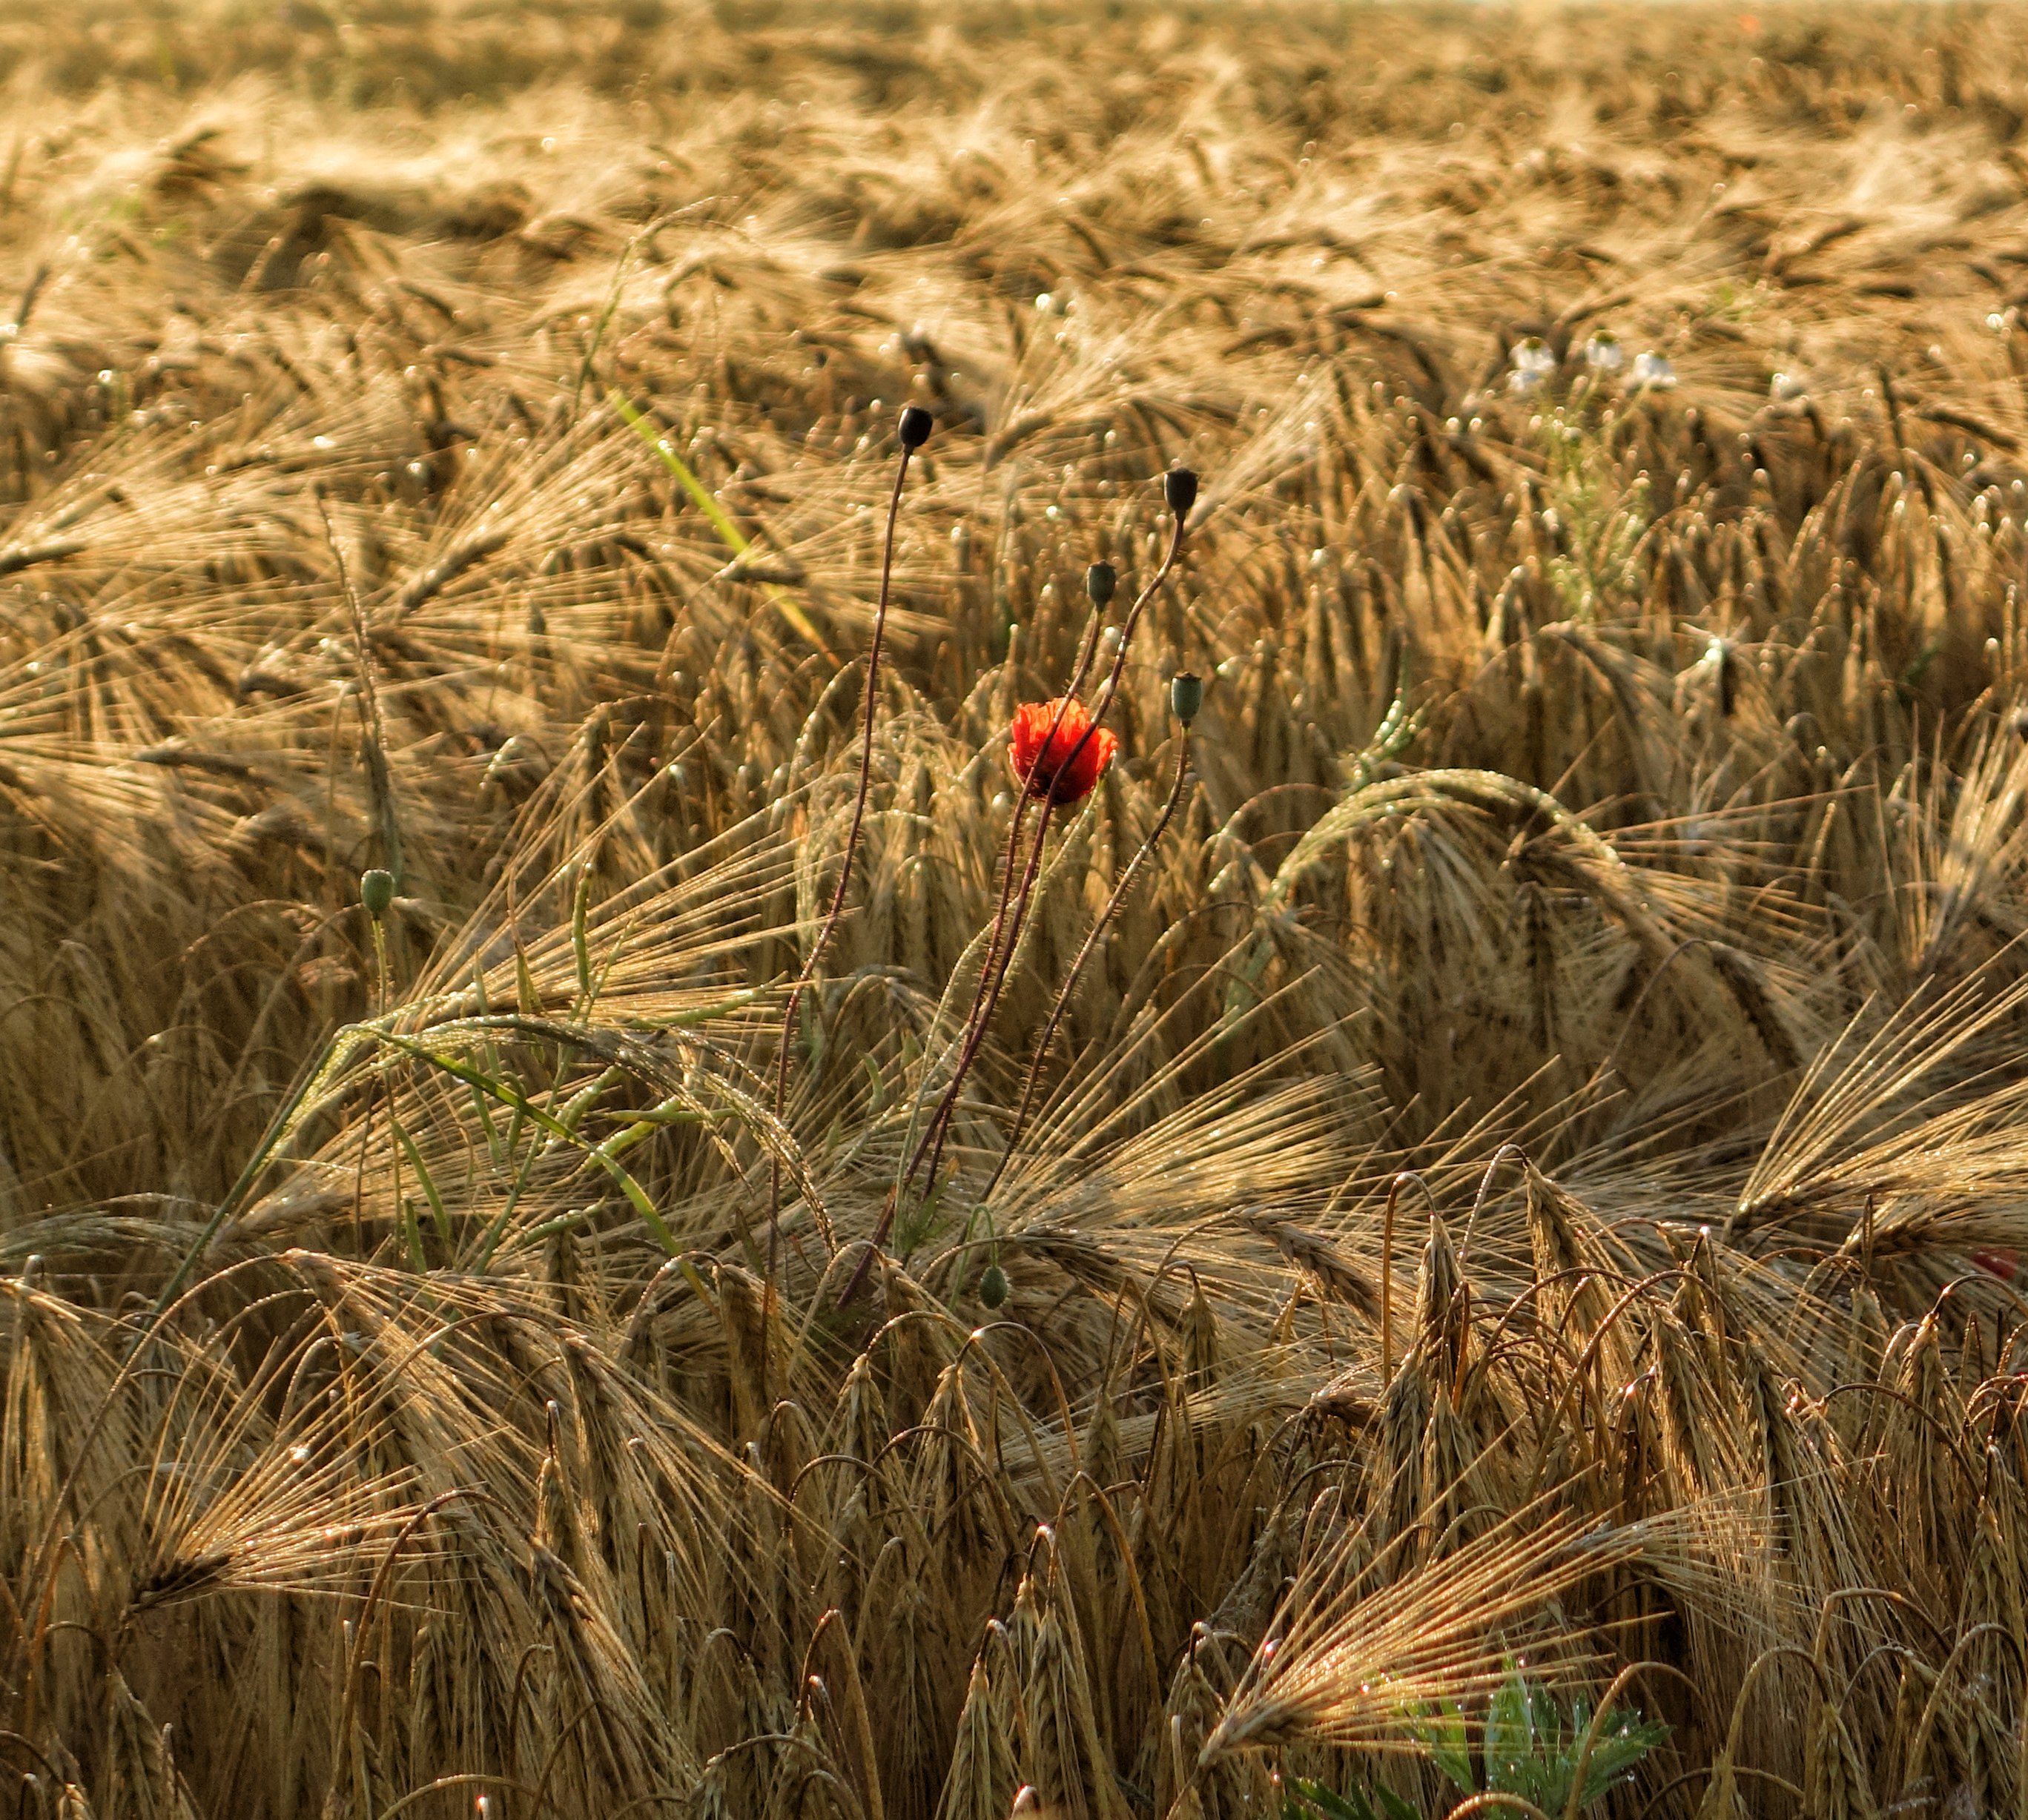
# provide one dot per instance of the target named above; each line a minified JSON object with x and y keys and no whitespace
{"x":1607,"y":809}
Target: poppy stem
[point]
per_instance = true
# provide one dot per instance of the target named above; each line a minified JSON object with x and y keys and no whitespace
{"x":914,"y":432}
{"x":1127,"y":630}
{"x":1010,"y":868}
{"x":932,"y":1144}
{"x":1180,"y":490}
{"x":940,"y":1124}
{"x":1086,"y":657}
{"x":1084,"y":954}
{"x":988,"y":995}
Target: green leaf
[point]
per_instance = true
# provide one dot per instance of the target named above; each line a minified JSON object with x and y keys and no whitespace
{"x":438,"y":1211}
{"x":636,"y":1197}
{"x":1510,"y":1738}
{"x":721,"y":522}
{"x":1351,"y":1805}
{"x":1617,"y":1753}
{"x":411,"y":1232}
{"x":1443,"y":1736}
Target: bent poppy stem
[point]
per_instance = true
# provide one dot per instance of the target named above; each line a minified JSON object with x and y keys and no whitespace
{"x":914,"y":431}
{"x":1084,"y":954}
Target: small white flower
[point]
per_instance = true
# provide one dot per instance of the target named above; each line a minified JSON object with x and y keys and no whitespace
{"x":1653,"y":370}
{"x":1603,"y":353}
{"x":1786,"y":386}
{"x":1533,"y":363}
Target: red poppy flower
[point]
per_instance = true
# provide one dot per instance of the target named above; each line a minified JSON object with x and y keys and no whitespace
{"x":1043,"y":760}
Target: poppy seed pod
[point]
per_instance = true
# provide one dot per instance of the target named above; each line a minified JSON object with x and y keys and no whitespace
{"x":1186,"y":696}
{"x":1179,"y":488}
{"x":917,"y":424}
{"x":376,"y":892}
{"x":993,"y":1286}
{"x":1099,"y":580}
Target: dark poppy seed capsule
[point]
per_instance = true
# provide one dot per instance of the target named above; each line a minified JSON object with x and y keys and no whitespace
{"x":917,"y":424}
{"x":1099,"y":580}
{"x":993,"y":1286}
{"x":1179,"y":488}
{"x":376,"y":892}
{"x":1186,"y":696}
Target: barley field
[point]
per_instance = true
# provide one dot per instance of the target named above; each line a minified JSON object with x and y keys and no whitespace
{"x":612,"y":1204}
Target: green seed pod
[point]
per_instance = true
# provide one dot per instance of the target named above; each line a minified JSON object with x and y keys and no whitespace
{"x":1186,"y":696}
{"x":376,"y":892}
{"x":993,"y":1286}
{"x":1099,"y":580}
{"x":1179,"y":488}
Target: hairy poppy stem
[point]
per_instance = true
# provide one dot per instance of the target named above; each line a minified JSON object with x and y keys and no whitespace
{"x":1099,"y":582}
{"x":976,"y":1040}
{"x":1010,"y":868}
{"x":1101,"y":593}
{"x":914,"y":431}
{"x":932,"y":1144}
{"x":1084,"y":954}
{"x":1179,"y":489}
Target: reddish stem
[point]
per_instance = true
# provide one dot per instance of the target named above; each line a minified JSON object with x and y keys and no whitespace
{"x":1084,"y":954}
{"x":1001,"y":953}
{"x":851,"y":850}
